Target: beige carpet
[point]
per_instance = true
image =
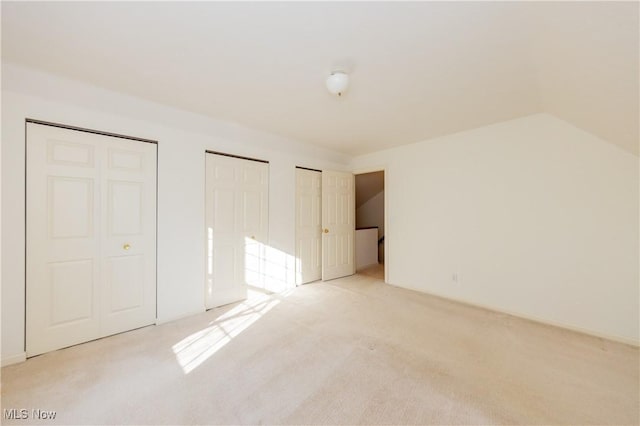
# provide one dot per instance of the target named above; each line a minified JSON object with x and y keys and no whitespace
{"x":350,"y":351}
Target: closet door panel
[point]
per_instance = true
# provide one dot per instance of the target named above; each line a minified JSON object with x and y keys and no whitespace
{"x":236,"y":227}
{"x":129,"y":235}
{"x":88,"y":195}
{"x":62,"y":241}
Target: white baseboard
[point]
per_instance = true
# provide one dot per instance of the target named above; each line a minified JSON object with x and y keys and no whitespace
{"x":14,"y":359}
{"x":619,"y":339}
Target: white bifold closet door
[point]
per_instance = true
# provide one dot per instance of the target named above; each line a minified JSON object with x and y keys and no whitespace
{"x":339,"y":224}
{"x":308,"y":226}
{"x":325,"y":225}
{"x":236,"y":227}
{"x":91,"y":236}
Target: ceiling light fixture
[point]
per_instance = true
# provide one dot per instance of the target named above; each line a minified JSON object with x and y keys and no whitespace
{"x":337,"y":83}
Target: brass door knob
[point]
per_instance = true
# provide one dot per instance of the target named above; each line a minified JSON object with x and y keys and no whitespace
{"x":127,"y":246}
{"x":326,"y":231}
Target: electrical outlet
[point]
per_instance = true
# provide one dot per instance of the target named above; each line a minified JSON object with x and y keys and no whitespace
{"x":454,"y":277}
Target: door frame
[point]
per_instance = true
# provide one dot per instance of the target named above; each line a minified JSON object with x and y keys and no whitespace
{"x":96,"y":132}
{"x":387,"y":250}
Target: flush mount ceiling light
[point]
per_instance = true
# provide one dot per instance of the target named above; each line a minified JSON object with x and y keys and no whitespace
{"x":337,"y":83}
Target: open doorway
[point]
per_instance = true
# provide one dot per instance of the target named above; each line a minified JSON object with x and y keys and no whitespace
{"x":370,"y":223}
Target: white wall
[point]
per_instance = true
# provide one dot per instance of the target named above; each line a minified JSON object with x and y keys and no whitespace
{"x":366,"y":244}
{"x":537,"y":218}
{"x":182,"y":140}
{"x":371,"y":213}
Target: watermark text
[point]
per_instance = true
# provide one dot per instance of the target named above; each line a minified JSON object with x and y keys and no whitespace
{"x":28,"y":413}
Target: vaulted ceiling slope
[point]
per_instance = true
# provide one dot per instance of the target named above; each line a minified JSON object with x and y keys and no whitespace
{"x":418,"y":70}
{"x":368,"y":185}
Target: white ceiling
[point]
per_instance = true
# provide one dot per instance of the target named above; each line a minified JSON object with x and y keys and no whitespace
{"x":418,"y":70}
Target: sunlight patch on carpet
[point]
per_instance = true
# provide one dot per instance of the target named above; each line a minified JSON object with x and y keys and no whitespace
{"x":195,"y":349}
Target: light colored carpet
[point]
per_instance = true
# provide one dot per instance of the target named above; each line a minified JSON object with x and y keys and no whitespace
{"x":349,"y":351}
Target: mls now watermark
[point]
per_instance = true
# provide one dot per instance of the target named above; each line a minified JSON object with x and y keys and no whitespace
{"x":25,"y":414}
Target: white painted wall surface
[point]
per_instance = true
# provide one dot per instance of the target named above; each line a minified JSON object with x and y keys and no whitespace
{"x":535,"y":216}
{"x":371,"y":213}
{"x":366,"y":247}
{"x":182,"y":140}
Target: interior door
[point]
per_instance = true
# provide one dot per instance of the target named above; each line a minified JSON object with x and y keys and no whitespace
{"x":236,"y":197}
{"x":308,"y":226}
{"x":338,"y":223}
{"x":84,"y":189}
{"x":128,"y":244}
{"x":63,"y":248}
{"x":254,"y":208}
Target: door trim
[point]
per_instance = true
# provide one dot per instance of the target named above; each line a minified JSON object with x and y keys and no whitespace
{"x":84,"y":129}
{"x":236,"y":156}
{"x":307,"y":168}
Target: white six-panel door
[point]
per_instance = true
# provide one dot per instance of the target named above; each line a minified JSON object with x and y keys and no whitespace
{"x":91,"y":236}
{"x":236,"y":227}
{"x":308,"y":226}
{"x":338,"y":222}
{"x":128,"y":232}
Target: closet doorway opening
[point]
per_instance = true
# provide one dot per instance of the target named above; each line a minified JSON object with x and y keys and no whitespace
{"x":370,"y":223}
